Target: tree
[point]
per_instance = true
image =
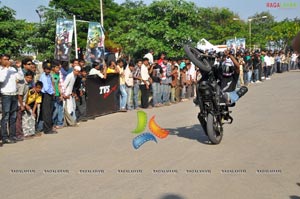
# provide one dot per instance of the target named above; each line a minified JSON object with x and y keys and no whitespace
{"x":13,"y":32}
{"x":43,"y":39}
{"x":89,"y":10}
{"x":218,"y":25}
{"x":283,"y":32}
{"x":261,"y":24}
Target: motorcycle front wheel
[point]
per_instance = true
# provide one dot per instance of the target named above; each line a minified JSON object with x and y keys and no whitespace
{"x":214,"y":129}
{"x":196,"y":57}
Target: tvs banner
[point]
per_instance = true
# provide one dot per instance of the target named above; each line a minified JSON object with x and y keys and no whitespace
{"x":95,"y":42}
{"x":63,"y":39}
{"x":102,"y":95}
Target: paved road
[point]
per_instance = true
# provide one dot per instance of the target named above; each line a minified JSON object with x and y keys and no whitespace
{"x":259,"y":156}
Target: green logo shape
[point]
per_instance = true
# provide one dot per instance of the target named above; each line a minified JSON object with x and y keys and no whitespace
{"x":141,"y":123}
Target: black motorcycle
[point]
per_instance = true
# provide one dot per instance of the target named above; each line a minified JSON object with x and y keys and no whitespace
{"x":213,"y":109}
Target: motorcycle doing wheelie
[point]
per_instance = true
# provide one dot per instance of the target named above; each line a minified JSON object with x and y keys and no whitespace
{"x":214,"y":111}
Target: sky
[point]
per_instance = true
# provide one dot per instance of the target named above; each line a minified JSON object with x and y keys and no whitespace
{"x":25,"y":9}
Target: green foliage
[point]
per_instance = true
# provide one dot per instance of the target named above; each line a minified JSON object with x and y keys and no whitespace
{"x":164,"y":25}
{"x":261,"y":24}
{"x":13,"y":32}
{"x":283,"y":32}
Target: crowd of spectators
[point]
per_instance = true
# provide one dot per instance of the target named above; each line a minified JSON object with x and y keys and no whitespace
{"x":258,"y":66}
{"x":45,"y":97}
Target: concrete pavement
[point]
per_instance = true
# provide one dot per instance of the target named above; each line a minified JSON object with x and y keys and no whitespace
{"x":259,"y":156}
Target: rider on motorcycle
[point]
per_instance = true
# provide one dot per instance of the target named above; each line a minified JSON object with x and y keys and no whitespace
{"x":227,"y":72}
{"x":228,"y":75}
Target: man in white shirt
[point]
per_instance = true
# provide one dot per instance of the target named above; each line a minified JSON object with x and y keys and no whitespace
{"x":192,"y":73}
{"x":293,"y":61}
{"x":149,"y":55}
{"x":9,"y":77}
{"x":96,"y":70}
{"x":69,"y":95}
{"x":267,"y":66}
{"x":129,"y":83}
{"x":145,"y":83}
{"x":122,"y":88}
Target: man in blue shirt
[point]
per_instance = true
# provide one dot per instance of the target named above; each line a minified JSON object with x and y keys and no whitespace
{"x":47,"y":98}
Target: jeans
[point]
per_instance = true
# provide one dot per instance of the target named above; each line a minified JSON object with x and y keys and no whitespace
{"x":73,"y":114}
{"x":293,"y":65}
{"x":58,"y":113}
{"x":129,"y":94}
{"x":123,"y":96}
{"x":248,"y":77}
{"x":165,"y":91}
{"x":81,"y":107}
{"x":156,"y":89}
{"x":189,"y":90}
{"x":273,"y":69}
{"x":183,"y":92}
{"x":233,"y":97}
{"x":9,"y":115}
{"x":136,"y":89}
{"x":278,"y":67}
{"x":255,"y":75}
{"x":265,"y":71}
{"x":283,"y":68}
{"x":260,"y":73}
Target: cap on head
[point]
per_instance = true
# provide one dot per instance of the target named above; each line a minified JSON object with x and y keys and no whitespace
{"x":77,"y":68}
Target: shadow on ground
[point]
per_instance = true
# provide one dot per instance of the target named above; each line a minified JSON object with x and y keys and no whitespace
{"x":194,"y":132}
{"x":171,"y":196}
{"x":295,"y":197}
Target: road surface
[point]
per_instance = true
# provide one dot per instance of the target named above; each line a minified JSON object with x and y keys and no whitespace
{"x":259,"y":156}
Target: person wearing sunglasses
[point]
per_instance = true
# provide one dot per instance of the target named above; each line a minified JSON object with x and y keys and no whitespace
{"x":26,"y":65}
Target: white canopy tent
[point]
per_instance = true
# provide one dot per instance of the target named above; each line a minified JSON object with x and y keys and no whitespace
{"x":203,"y":44}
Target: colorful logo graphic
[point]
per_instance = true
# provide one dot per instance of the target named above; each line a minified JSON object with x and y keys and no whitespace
{"x":141,"y":139}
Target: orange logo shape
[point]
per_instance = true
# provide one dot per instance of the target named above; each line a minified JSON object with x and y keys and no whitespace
{"x":156,"y":129}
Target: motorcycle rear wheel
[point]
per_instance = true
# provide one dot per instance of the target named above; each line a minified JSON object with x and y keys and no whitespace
{"x":214,"y":129}
{"x":196,"y":57}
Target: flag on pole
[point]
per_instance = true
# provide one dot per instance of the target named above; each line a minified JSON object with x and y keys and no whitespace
{"x":240,"y":44}
{"x":95,"y":42}
{"x":63,"y":39}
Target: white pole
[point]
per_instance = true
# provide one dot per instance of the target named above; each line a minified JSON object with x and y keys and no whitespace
{"x":75,"y":35}
{"x":101,"y":14}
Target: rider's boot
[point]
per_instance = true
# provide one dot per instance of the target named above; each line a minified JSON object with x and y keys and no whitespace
{"x":196,"y":101}
{"x":242,"y":91}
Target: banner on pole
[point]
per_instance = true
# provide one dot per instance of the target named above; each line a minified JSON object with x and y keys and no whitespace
{"x":95,"y":42}
{"x":237,"y":44}
{"x":240,"y":44}
{"x":63,"y":39}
